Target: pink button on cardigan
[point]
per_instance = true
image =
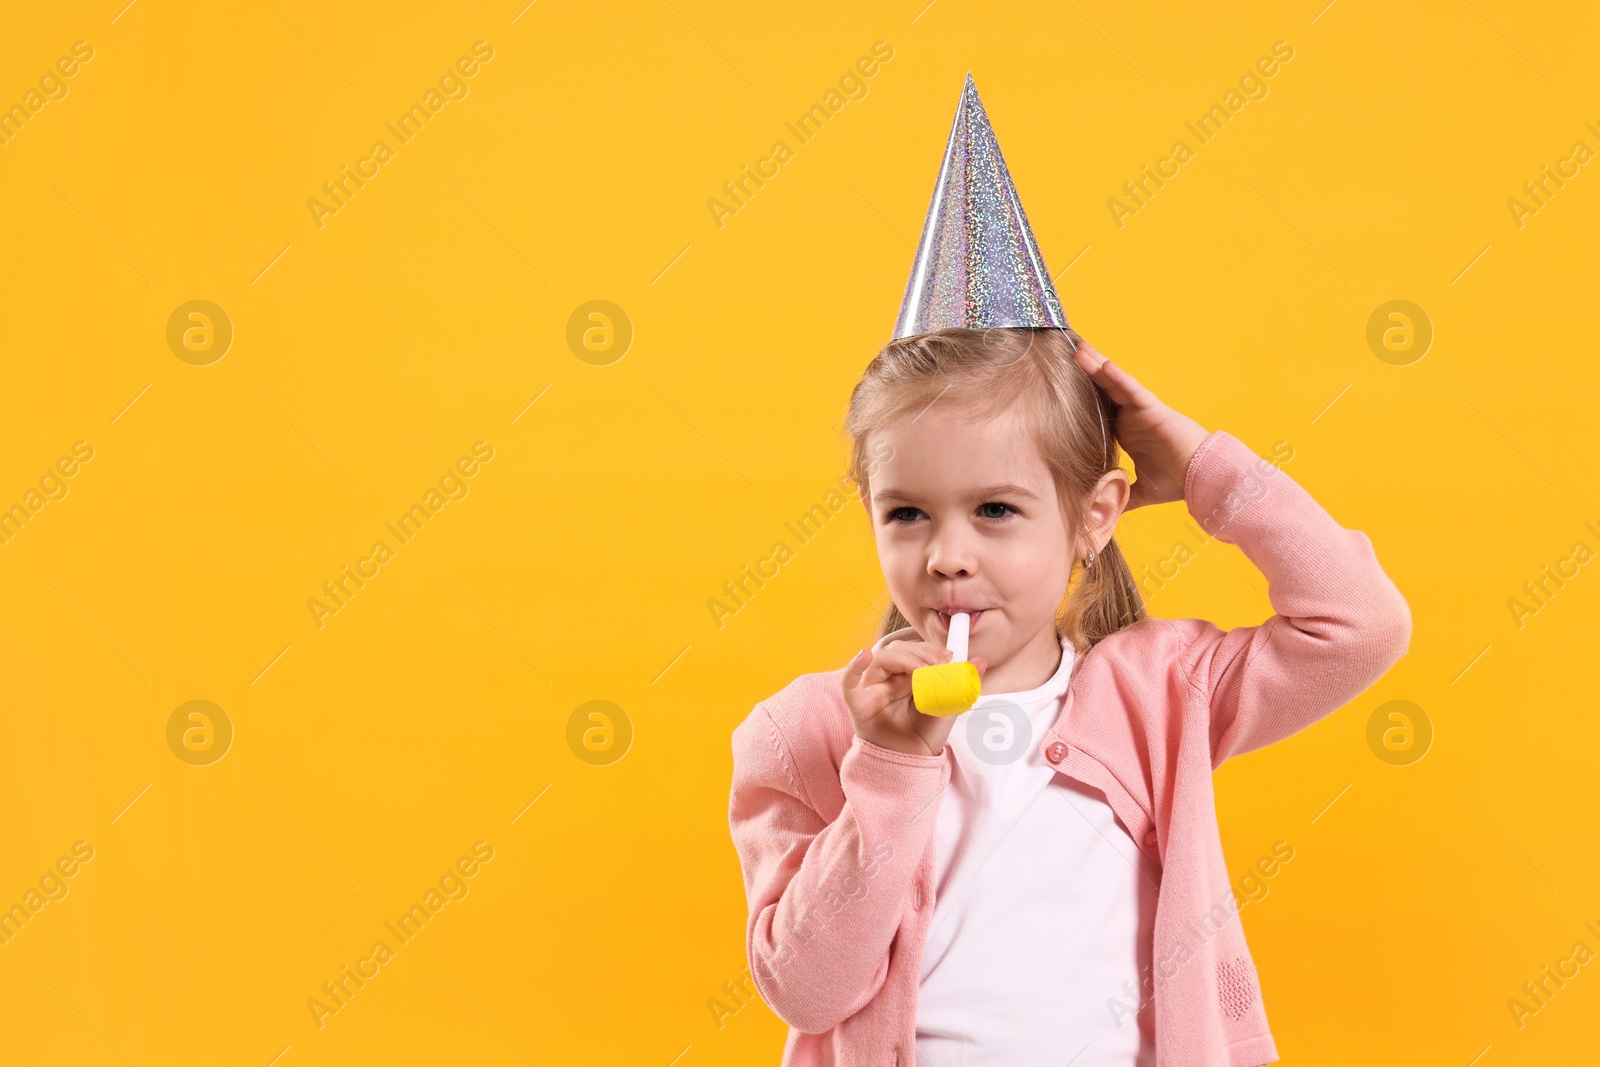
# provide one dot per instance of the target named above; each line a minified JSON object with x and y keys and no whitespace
{"x":835,"y":833}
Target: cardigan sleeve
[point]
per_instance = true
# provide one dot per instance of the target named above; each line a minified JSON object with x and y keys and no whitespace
{"x":1339,"y":624}
{"x":825,"y":898}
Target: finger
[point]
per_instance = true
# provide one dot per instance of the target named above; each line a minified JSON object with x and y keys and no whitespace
{"x":1090,"y":357}
{"x":1123,"y":388}
{"x":903,"y":657}
{"x":1100,"y":368}
{"x":856,"y":668}
{"x":892,"y":675}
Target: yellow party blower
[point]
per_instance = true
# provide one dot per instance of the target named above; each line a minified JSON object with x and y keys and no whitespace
{"x":948,"y":688}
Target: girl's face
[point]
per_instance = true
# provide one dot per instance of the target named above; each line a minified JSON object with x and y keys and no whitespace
{"x":966,"y":515}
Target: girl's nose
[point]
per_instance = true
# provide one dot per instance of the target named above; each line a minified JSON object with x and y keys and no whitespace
{"x":944,"y":569}
{"x":950,"y":557}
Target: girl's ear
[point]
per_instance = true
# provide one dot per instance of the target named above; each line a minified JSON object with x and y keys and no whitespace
{"x":1105,"y":505}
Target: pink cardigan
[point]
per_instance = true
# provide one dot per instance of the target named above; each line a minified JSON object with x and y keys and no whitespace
{"x":835,"y":833}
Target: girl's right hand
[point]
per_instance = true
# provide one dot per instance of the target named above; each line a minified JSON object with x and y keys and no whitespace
{"x":877,"y":690}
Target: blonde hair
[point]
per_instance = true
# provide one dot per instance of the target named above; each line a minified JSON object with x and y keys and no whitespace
{"x":1070,"y":418}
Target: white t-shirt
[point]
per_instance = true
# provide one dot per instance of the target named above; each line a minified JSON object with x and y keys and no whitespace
{"x":1045,"y":908}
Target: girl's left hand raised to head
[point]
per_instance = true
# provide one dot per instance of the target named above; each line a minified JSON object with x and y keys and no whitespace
{"x":1160,"y":439}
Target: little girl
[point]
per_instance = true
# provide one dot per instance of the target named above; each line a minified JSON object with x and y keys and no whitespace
{"x":1038,"y":880}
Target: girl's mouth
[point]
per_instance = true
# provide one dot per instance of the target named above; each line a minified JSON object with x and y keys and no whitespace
{"x":944,"y":619}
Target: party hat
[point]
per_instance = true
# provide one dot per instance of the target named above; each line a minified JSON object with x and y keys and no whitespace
{"x":977,"y":264}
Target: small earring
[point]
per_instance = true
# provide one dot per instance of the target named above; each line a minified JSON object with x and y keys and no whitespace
{"x":1090,"y":561}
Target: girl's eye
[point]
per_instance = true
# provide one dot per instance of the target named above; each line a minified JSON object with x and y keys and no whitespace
{"x":894,"y":514}
{"x":997,"y":504}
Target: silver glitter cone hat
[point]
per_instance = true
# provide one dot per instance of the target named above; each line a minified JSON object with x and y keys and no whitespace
{"x":977,"y":264}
